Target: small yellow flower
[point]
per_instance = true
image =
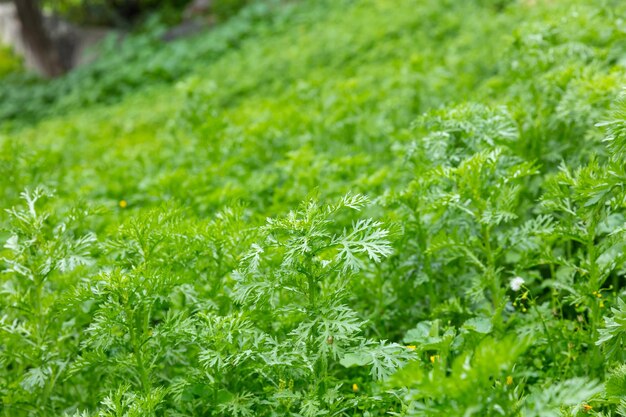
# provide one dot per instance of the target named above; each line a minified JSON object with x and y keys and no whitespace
{"x":411,"y":347}
{"x":434,"y":358}
{"x":123,"y":204}
{"x":587,"y":408}
{"x":509,"y":380}
{"x":355,"y":388}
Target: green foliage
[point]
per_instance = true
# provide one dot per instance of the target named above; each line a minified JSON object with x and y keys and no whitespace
{"x":330,"y":208}
{"x":224,"y":9}
{"x":142,"y":60}
{"x":9,"y":63}
{"x":474,"y":383}
{"x":127,"y":12}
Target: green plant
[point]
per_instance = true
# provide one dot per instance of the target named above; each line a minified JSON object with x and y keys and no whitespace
{"x":209,"y":250}
{"x":9,"y":63}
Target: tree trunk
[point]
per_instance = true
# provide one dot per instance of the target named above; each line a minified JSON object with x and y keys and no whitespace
{"x":36,"y":38}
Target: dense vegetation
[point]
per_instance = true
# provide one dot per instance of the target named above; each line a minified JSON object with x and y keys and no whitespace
{"x":336,"y":208}
{"x":143,"y":60}
{"x":9,"y":62}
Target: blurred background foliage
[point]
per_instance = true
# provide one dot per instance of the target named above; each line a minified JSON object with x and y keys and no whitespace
{"x":10,"y":63}
{"x":143,"y":58}
{"x":125,"y":13}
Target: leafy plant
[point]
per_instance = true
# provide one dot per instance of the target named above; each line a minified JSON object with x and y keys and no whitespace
{"x":209,"y":249}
